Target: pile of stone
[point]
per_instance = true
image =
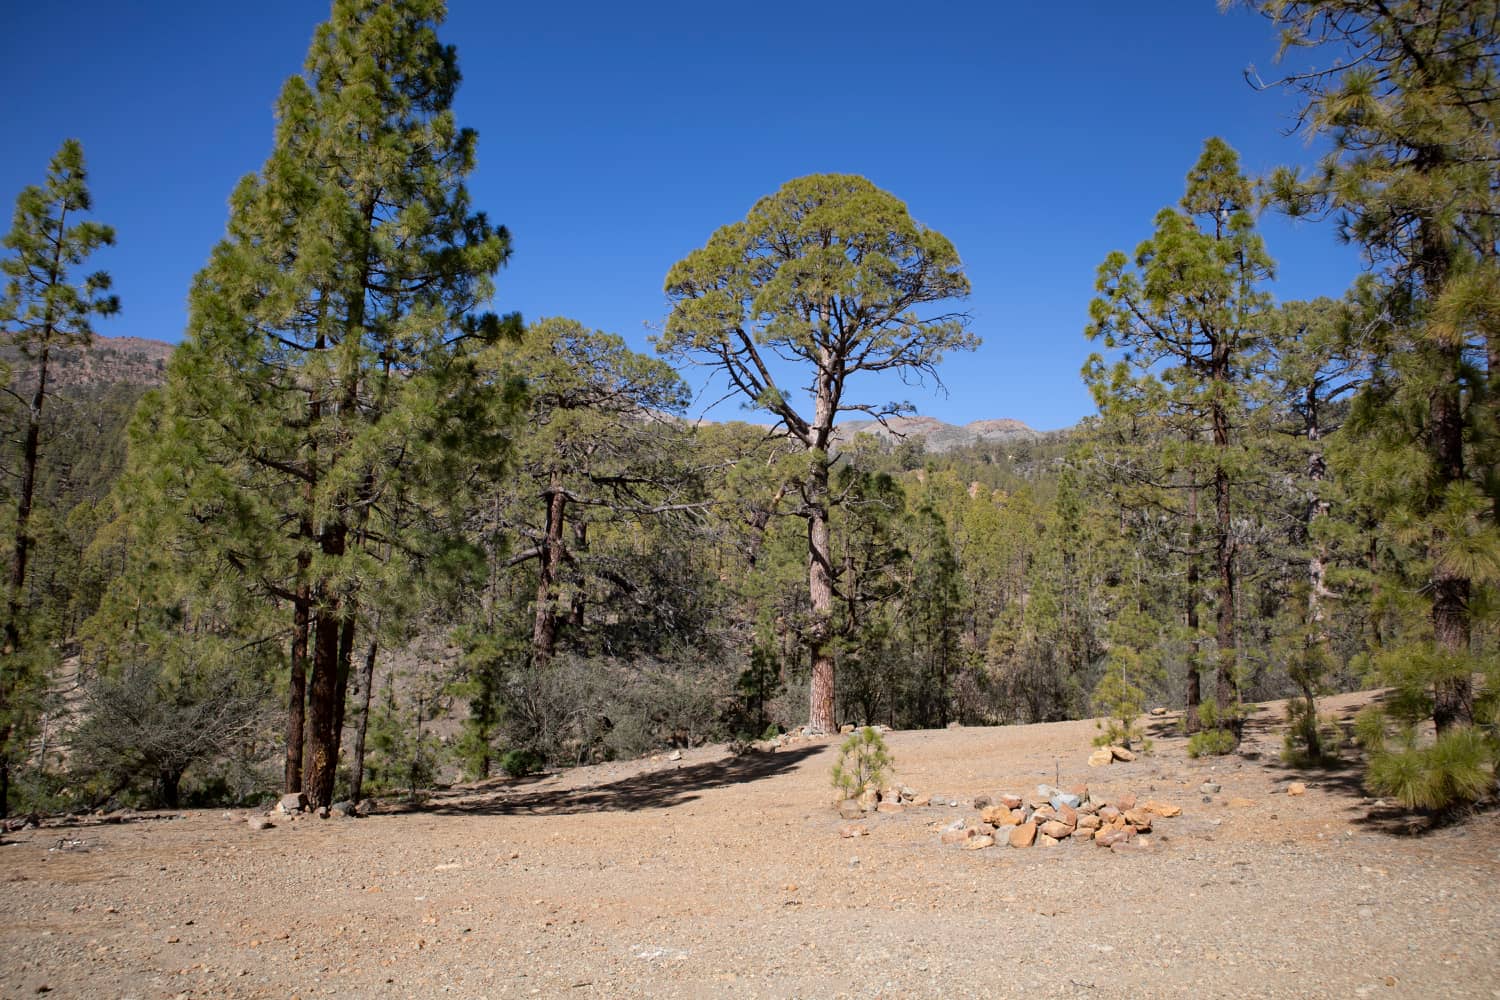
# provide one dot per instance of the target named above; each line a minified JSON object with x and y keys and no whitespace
{"x":890,"y":799}
{"x":1052,"y":815}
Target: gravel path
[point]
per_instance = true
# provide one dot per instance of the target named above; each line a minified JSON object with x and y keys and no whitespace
{"x":716,"y":876}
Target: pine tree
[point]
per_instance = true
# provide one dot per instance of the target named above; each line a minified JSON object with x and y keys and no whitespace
{"x":829,"y":271}
{"x":329,"y":387}
{"x":1188,"y":312}
{"x":1413,"y":179}
{"x":41,"y":311}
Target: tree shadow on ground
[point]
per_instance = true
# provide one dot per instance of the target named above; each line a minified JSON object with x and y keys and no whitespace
{"x":1342,"y":773}
{"x":657,"y":789}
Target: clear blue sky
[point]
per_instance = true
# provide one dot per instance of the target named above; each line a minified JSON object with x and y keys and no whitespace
{"x":614,"y":138}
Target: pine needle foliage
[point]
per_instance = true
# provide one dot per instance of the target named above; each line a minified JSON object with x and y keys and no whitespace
{"x":863,"y":763}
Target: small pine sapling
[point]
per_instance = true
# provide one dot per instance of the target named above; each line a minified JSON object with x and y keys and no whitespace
{"x":1120,"y":702}
{"x":863,"y":763}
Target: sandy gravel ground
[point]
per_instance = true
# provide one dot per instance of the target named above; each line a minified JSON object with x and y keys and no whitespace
{"x":719,"y":876}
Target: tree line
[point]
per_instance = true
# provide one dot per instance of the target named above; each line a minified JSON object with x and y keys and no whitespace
{"x":353,"y":457}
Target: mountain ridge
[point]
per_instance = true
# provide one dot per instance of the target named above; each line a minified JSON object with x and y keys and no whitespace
{"x":142,"y":361}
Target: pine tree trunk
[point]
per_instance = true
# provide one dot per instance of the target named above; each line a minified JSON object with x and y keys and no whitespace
{"x":1453,"y":702}
{"x":22,"y":551}
{"x":1194,"y":664}
{"x":1317,"y":508}
{"x":357,"y":766}
{"x":1227,"y":688}
{"x":544,"y":625}
{"x":341,"y":697}
{"x":296,"y":714}
{"x":821,"y":718}
{"x":322,"y":752}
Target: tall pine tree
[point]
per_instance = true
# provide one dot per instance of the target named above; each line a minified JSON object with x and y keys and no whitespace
{"x":42,"y":310}
{"x":329,"y":383}
{"x":1189,"y":312}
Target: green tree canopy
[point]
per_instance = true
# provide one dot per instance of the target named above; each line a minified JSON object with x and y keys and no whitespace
{"x":832,"y":277}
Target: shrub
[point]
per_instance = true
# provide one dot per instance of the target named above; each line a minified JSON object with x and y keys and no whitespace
{"x":863,"y":762}
{"x":1455,"y":769}
{"x":1310,"y":738}
{"x":1211,"y":742}
{"x":519,"y":763}
{"x":1458,"y":766}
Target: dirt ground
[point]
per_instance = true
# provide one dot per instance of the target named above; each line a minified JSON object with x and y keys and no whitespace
{"x":720,"y":876}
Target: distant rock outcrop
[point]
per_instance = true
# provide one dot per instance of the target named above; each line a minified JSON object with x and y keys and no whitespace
{"x":937,"y":436}
{"x":107,"y":361}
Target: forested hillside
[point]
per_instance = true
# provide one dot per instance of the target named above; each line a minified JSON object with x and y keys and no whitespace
{"x":367,"y":529}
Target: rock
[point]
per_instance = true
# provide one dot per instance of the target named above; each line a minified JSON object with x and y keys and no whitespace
{"x":1056,"y":830}
{"x":341,"y":809}
{"x":957,"y":824}
{"x":1067,"y":816}
{"x":1023,"y":835}
{"x":1044,"y":793}
{"x":1082,"y":791}
{"x":982,"y":802}
{"x":890,"y":807}
{"x":1109,"y":813}
{"x":853,"y":830}
{"x":1109,"y":838}
{"x":1020,"y":815}
{"x":958,"y":836}
{"x":1047,"y":841}
{"x":1088,"y":823}
{"x":1158,"y":711}
{"x":890,"y":794}
{"x":1088,"y":809}
{"x":765,"y":746}
{"x":1010,"y":801}
{"x":1121,"y":754}
{"x":292,"y":802}
{"x":869,"y":799}
{"x":260,"y":823}
{"x":1124,"y":802}
{"x":675,"y":755}
{"x":1163,"y":809}
{"x":907,"y":793}
{"x":979,"y":843}
{"x":1064,"y":799}
{"x":922,"y":800}
{"x":1082,"y":834}
{"x":1140,"y":819}
{"x":846,"y":729}
{"x":1101,"y":757}
{"x":849,"y":809}
{"x":996,"y":816}
{"x":1011,"y":817}
{"x":1209,"y":788}
{"x":1043,"y":813}
{"x":1296,"y":788}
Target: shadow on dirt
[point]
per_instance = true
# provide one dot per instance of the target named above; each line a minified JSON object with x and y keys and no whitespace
{"x":658,"y":789}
